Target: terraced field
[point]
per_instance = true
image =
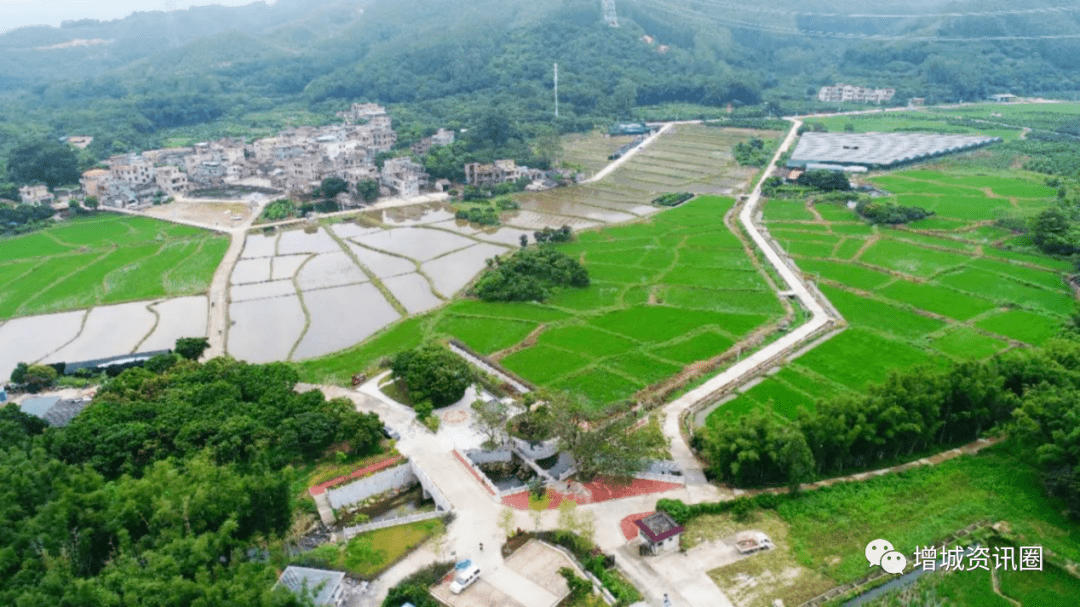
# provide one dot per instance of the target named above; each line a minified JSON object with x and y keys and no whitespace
{"x":104,"y":259}
{"x":922,"y":294}
{"x":688,"y":158}
{"x":665,"y":293}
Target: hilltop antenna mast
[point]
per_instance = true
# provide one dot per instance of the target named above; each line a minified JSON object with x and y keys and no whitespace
{"x":608,"y":9}
{"x":556,"y":90}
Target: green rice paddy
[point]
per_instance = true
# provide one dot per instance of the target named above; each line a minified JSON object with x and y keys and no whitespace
{"x":104,"y":259}
{"x":933,"y":291}
{"x":666,"y":292}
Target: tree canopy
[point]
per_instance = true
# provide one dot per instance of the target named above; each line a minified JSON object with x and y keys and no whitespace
{"x":1033,"y":393}
{"x":167,"y":490}
{"x":46,"y":161}
{"x":242,"y":413}
{"x":432,"y":373}
{"x":529,"y":274}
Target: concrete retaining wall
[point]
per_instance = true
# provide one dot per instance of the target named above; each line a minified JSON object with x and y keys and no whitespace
{"x":479,"y":473}
{"x":397,"y":477}
{"x":478,"y":456}
{"x":541,"y":450}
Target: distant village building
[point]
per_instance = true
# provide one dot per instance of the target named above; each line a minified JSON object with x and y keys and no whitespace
{"x":403,"y":176}
{"x":131,"y":169}
{"x":843,"y":93}
{"x":441,"y":137}
{"x":660,"y":532}
{"x":323,"y":586}
{"x":35,"y":194}
{"x":171,"y":180}
{"x":58,"y":412}
{"x":630,"y":129}
{"x":295,"y":160}
{"x":1004,"y":98}
{"x":93,"y":181}
{"x":498,"y":172}
{"x":80,"y":142}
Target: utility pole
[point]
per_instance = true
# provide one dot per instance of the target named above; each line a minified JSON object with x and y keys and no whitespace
{"x":608,"y":9}
{"x":556,"y":90}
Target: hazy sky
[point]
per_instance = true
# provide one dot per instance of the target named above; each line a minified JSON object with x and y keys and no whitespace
{"x":17,"y":13}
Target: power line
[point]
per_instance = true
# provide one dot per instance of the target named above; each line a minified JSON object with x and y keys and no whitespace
{"x":667,"y":7}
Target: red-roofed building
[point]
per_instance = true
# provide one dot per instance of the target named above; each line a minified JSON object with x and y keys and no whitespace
{"x":660,"y":532}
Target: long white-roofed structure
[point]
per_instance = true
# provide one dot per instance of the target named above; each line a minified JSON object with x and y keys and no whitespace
{"x":879,"y":150}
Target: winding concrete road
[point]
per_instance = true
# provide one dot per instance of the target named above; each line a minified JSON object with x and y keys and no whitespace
{"x":478,"y":513}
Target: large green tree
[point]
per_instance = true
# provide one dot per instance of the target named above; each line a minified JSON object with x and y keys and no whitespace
{"x":47,"y":161}
{"x":600,"y":447}
{"x":432,"y":373}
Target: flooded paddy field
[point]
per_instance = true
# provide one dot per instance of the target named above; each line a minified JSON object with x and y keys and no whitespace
{"x":416,"y":243}
{"x":329,"y":270}
{"x":532,"y":220}
{"x":264,"y":330}
{"x":108,"y":331}
{"x":179,"y":317}
{"x":413,"y":291}
{"x":250,"y":270}
{"x":452,"y":272}
{"x":102,"y":332}
{"x":341,"y":317}
{"x":36,"y":336}
{"x":259,"y":245}
{"x":285,"y":266}
{"x":343,"y":307}
{"x":262,"y":290}
{"x":299,"y":241}
{"x":382,"y":265}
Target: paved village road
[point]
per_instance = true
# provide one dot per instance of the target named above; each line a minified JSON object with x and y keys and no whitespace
{"x":477,"y":512}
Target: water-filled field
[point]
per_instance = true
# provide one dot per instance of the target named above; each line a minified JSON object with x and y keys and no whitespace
{"x":101,"y":332}
{"x":670,"y":291}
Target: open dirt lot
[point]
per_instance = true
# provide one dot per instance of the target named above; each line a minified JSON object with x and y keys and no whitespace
{"x":210,"y":214}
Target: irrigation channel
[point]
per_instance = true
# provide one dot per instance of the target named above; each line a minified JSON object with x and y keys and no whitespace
{"x":896,"y":583}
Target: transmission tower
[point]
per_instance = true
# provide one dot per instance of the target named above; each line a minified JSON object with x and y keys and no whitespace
{"x":608,"y":9}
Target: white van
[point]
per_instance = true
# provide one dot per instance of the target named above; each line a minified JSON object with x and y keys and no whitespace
{"x":464,"y":579}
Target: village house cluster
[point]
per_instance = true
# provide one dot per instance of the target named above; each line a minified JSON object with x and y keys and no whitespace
{"x":295,"y":160}
{"x":859,"y":94}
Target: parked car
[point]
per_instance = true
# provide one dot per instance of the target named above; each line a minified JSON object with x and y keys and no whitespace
{"x":389,"y":432}
{"x":465,"y":578}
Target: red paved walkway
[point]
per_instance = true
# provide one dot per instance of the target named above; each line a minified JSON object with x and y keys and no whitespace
{"x":629,"y":529}
{"x":599,"y":490}
{"x":322,"y":487}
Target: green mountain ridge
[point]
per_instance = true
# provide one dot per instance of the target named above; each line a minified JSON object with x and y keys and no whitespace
{"x":259,"y":67}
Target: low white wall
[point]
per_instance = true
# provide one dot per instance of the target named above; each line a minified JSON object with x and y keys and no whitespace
{"x":542,"y":450}
{"x":386,"y":480}
{"x":431,"y":488}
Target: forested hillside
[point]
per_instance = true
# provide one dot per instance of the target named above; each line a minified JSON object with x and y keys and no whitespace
{"x":159,"y":78}
{"x":171,"y":488}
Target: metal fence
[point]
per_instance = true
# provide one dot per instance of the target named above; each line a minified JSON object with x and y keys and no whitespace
{"x":350,"y":532}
